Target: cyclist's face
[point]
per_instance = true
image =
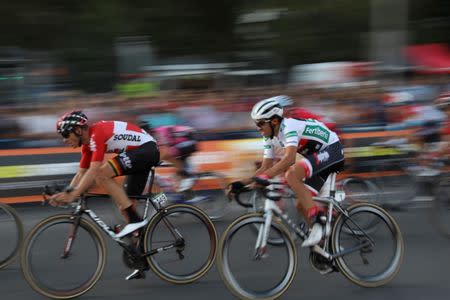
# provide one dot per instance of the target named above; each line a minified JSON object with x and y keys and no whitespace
{"x":264,"y":128}
{"x":71,"y":140}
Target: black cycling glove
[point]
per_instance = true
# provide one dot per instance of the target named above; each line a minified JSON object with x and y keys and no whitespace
{"x":237,"y":186}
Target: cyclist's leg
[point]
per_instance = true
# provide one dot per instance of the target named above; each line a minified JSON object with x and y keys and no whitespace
{"x":311,"y":168}
{"x":136,"y":164}
{"x":181,"y":152}
{"x":106,"y":180}
{"x":295,"y":176}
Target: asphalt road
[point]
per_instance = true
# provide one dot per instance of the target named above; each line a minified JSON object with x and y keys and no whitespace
{"x":424,"y":273}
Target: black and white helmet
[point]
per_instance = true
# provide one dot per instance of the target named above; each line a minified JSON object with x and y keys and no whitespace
{"x":267,"y":109}
{"x":69,"y":120}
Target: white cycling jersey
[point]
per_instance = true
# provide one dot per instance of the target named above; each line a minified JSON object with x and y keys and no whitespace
{"x":307,"y":135}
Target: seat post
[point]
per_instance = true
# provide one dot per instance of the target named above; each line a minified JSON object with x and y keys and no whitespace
{"x":333,"y":184}
{"x":150,"y":179}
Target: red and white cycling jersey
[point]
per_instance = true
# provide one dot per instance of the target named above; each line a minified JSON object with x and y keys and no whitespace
{"x":309,"y":136}
{"x":111,"y":137}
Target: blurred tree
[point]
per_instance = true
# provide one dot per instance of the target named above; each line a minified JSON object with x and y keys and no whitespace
{"x":83,"y":32}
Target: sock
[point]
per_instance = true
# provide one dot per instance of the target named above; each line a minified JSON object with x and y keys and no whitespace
{"x":133,"y":217}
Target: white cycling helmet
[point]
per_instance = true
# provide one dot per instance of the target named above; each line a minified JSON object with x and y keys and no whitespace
{"x":284,"y":100}
{"x":267,"y":108}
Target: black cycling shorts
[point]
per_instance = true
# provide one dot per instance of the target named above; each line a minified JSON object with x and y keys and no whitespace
{"x":185,"y":149}
{"x":323,"y":163}
{"x":136,"y":164}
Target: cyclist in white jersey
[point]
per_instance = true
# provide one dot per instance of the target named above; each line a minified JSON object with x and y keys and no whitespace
{"x":321,"y":154}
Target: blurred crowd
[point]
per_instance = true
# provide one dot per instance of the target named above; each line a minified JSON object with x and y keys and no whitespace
{"x":349,"y":105}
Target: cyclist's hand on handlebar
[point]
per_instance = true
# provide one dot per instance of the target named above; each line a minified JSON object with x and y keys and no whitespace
{"x":261,"y":180}
{"x":61,"y":198}
{"x":234,"y":188}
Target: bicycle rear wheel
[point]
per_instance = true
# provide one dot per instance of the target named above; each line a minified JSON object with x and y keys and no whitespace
{"x":396,"y":187}
{"x":208,"y":193}
{"x":441,"y":208}
{"x":359,"y":190}
{"x":63,"y":277}
{"x":11,"y":233}
{"x":251,"y":276}
{"x":372,"y":258}
{"x":180,"y":260}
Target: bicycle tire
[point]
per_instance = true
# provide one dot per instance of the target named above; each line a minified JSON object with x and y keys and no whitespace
{"x":388,"y":272}
{"x":177,"y":211}
{"x":396,"y":191}
{"x":26,"y":257}
{"x":359,"y":190}
{"x":10,"y":257}
{"x":214,"y":202}
{"x":440,"y":213}
{"x":255,"y":219}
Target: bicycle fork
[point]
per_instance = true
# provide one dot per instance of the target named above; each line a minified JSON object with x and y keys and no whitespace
{"x":71,"y":236}
{"x":263,"y":231}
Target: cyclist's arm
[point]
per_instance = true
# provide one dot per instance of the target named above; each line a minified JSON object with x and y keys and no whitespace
{"x":88,"y":178}
{"x":266,"y":164}
{"x":77,"y":178}
{"x":286,"y":161}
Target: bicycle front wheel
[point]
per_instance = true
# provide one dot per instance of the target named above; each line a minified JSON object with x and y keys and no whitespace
{"x":251,"y":273}
{"x":55,"y":273}
{"x":369,"y":259}
{"x":208,"y":193}
{"x":11,"y":234}
{"x":183,"y":241}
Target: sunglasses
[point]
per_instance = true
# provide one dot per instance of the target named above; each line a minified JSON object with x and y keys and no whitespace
{"x":260,"y":123}
{"x":65,"y":135}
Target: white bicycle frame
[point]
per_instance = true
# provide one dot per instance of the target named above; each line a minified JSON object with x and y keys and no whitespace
{"x":271,"y":209}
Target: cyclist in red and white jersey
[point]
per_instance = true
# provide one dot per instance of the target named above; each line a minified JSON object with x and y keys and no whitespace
{"x":321,"y":152}
{"x":137,"y":154}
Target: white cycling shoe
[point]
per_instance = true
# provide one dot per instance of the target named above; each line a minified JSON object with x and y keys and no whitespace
{"x":314,"y":236}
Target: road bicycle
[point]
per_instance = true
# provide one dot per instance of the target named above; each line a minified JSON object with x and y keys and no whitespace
{"x":208,"y":192}
{"x":369,"y":258}
{"x":65,"y":255}
{"x":11,"y":233}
